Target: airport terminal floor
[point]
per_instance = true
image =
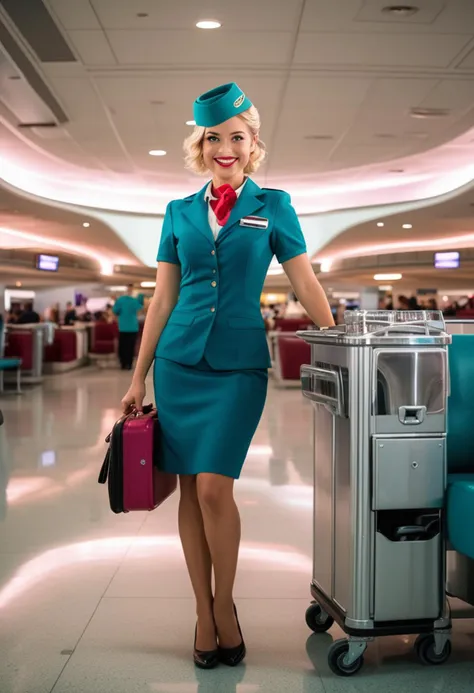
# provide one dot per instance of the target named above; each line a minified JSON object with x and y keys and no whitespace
{"x":93,"y":602}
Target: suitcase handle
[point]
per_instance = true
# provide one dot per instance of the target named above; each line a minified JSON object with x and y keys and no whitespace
{"x":147,"y":409}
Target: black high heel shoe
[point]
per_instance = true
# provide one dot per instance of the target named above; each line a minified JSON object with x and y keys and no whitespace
{"x":232,"y":656}
{"x":205,"y":660}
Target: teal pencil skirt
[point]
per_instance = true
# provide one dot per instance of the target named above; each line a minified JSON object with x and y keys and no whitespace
{"x":208,"y":418}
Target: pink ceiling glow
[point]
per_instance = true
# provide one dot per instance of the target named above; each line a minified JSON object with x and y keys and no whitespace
{"x":429,"y":174}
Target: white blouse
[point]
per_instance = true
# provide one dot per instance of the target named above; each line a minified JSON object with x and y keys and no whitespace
{"x":208,"y":196}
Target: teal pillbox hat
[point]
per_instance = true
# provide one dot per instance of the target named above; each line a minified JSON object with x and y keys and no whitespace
{"x":220,"y":104}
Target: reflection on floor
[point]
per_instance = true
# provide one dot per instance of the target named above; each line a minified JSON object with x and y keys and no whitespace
{"x":93,"y":602}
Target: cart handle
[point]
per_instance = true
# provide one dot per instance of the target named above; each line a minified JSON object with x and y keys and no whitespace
{"x":310,"y":376}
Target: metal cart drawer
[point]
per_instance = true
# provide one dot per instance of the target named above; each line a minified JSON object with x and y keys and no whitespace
{"x":408,"y":473}
{"x":407,"y":579}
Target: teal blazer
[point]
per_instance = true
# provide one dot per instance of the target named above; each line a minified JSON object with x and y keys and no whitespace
{"x":218,"y":311}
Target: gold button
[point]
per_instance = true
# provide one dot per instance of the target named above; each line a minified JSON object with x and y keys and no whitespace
{"x":213,"y":283}
{"x":213,"y":252}
{"x":213,"y":310}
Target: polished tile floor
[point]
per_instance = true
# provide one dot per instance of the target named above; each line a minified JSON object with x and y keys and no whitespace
{"x":93,"y":602}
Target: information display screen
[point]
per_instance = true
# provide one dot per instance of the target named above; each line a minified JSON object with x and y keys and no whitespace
{"x":450,"y":260}
{"x":47,"y":263}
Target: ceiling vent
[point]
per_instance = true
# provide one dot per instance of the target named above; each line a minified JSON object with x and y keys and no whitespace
{"x":25,"y":93}
{"x":39,"y":29}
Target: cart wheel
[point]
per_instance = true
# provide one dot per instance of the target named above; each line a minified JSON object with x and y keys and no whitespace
{"x":337,"y":652}
{"x":317,"y":620}
{"x":425,"y":649}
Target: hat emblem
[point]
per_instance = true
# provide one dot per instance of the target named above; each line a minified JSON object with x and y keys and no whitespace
{"x":238,"y":102}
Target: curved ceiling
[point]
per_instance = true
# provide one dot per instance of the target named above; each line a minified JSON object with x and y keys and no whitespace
{"x":336,"y":84}
{"x":445,"y":224}
{"x":26,"y":223}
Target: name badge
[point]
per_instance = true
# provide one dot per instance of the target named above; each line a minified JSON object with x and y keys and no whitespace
{"x":254,"y":222}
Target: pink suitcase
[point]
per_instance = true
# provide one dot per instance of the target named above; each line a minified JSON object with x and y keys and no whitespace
{"x":131,"y":465}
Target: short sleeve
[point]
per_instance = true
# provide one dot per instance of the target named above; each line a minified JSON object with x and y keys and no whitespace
{"x":288,"y":240}
{"x":167,"y":249}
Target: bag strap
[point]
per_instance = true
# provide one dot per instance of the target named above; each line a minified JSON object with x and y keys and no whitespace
{"x":104,"y":471}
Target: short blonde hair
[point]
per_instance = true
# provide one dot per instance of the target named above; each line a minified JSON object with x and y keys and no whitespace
{"x":192,"y":146}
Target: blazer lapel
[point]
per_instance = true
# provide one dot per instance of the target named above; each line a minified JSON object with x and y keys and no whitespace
{"x":197,"y":213}
{"x":250,"y":201}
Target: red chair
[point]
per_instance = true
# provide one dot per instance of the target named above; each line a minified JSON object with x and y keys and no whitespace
{"x":63,"y":349}
{"x":20,"y":345}
{"x":104,"y":338}
{"x":293,"y":352}
{"x":292,"y":324}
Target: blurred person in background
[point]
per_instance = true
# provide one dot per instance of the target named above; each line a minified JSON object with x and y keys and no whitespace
{"x":109,"y":313}
{"x":28,"y":316}
{"x":403,"y":303}
{"x":70,"y":315}
{"x":127,"y":309}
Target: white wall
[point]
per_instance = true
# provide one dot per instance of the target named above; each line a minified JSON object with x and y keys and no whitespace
{"x":48,"y":297}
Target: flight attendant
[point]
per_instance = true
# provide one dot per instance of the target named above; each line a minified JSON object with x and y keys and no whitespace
{"x":206,"y":336}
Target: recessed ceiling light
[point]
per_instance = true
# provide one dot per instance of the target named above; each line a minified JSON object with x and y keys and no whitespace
{"x":157,"y":152}
{"x":148,"y":285}
{"x":86,"y":224}
{"x":429,"y":112}
{"x":380,"y":223}
{"x":385,"y":136}
{"x":407,"y":226}
{"x":387,"y":277}
{"x":209,"y":24}
{"x":318,"y":137}
{"x":157,"y":102}
{"x":325,"y":265}
{"x":142,"y":14}
{"x":14,"y":78}
{"x":401,"y":10}
{"x":190,"y":122}
{"x":17,"y":283}
{"x":396,"y":170}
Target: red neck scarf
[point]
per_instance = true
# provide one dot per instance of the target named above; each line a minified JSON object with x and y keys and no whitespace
{"x":222,"y":206}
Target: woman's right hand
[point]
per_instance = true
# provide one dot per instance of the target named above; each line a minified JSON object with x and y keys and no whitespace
{"x":134,"y":397}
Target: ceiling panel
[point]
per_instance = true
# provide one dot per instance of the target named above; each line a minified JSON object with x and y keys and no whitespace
{"x":74,"y":14}
{"x":468,"y":62}
{"x":79,"y":98}
{"x":193,"y":48}
{"x":128,"y":96}
{"x":245,"y":15}
{"x":92,"y":47}
{"x":378,"y":49}
{"x":434,"y":16}
{"x":455,"y":95}
{"x":428,"y":12}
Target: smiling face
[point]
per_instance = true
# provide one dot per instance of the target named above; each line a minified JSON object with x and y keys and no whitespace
{"x":226,"y":151}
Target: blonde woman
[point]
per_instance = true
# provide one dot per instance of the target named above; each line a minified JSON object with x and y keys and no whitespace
{"x":209,"y":347}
